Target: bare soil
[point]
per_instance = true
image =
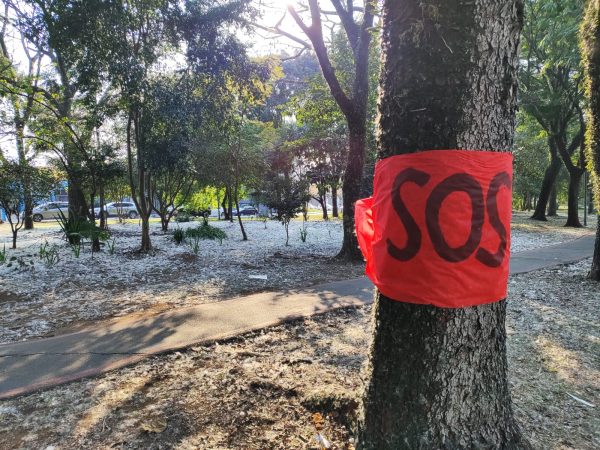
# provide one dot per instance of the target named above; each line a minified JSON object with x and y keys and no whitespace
{"x":262,"y":390}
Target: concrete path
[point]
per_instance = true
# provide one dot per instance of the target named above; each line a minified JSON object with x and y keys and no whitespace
{"x":40,"y":363}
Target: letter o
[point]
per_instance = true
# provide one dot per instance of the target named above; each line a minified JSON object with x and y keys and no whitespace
{"x":460,"y":182}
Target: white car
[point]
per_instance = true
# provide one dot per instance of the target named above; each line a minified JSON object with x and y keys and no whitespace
{"x":50,"y":211}
{"x":123,"y":209}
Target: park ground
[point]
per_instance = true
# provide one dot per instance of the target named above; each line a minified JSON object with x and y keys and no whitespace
{"x":261,"y":390}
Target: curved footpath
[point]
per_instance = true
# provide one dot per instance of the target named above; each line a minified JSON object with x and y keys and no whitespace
{"x":41,"y":363}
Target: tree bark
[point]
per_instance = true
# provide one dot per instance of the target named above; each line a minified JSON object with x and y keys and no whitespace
{"x":437,"y":378}
{"x":351,"y":185}
{"x":548,"y":182}
{"x":553,"y":203}
{"x":334,"y":202}
{"x":590,"y":40}
{"x":573,"y":200}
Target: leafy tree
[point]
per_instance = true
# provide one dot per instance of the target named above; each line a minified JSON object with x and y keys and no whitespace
{"x":357,"y":23}
{"x":590,"y":45}
{"x":13,"y":178}
{"x":69,"y":98}
{"x":437,"y":377}
{"x":283,"y":191}
{"x":20,"y":90}
{"x":531,"y":156}
{"x":551,"y":92}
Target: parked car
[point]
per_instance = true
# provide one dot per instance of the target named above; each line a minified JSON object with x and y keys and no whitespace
{"x":245,"y":211}
{"x":50,"y":211}
{"x":115,"y":209}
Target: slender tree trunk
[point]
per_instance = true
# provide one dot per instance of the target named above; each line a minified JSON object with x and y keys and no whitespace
{"x":437,"y":378}
{"x":239,"y":216}
{"x":14,"y":239}
{"x":573,"y":200}
{"x":548,"y":182}
{"x":103,"y":221}
{"x":334,"y":202}
{"x":553,"y":203}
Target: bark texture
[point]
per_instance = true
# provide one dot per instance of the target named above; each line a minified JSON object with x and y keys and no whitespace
{"x":590,"y":34}
{"x":437,"y":378}
{"x":548,"y":182}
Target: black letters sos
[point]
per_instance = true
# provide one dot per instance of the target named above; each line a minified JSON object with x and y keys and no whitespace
{"x":460,"y":182}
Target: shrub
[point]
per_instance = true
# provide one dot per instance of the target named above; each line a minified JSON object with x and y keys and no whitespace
{"x":3,"y":255}
{"x":303,"y":233}
{"x":111,"y":246}
{"x":194,"y":244}
{"x":206,"y":231}
{"x":178,"y":236}
{"x":76,"y":230}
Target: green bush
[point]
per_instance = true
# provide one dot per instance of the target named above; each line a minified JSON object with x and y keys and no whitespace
{"x":178,"y":236}
{"x":205,"y":231}
{"x":80,"y":229}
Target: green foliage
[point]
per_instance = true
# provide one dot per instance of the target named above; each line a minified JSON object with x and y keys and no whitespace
{"x":3,"y":255}
{"x":77,"y":230}
{"x":178,"y":236}
{"x":76,"y":248}
{"x":590,"y":48}
{"x":206,"y":231}
{"x":194,"y":243}
{"x":111,"y":246}
{"x":303,"y":233}
{"x":49,"y":254}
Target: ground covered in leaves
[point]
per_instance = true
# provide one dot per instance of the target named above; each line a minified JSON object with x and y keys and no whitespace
{"x":39,"y":295}
{"x":262,"y":390}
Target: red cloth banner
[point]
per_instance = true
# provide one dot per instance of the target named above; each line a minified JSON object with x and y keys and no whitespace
{"x":437,"y":229}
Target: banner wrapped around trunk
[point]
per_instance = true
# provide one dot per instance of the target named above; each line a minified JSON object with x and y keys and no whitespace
{"x":437,"y":229}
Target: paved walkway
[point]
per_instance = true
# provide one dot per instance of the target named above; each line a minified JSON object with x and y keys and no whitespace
{"x":40,"y":363}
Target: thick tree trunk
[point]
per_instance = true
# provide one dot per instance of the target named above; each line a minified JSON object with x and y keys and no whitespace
{"x":590,"y":33}
{"x":553,"y":203}
{"x":334,"y":202}
{"x":595,"y":270}
{"x":351,"y":185}
{"x":437,"y":378}
{"x":548,"y":182}
{"x":573,"y":201}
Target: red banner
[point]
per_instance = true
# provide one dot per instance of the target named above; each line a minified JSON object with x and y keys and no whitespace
{"x":437,"y":229}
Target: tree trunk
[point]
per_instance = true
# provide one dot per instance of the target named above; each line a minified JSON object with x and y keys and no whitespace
{"x":239,"y":216}
{"x":146,"y":245}
{"x":334,"y":202}
{"x":553,"y":203}
{"x":14,"y":239}
{"x":351,"y":185}
{"x":437,"y":378}
{"x":103,"y":221}
{"x":548,"y":182}
{"x":322,"y":199}
{"x":590,"y":34}
{"x":573,"y":201}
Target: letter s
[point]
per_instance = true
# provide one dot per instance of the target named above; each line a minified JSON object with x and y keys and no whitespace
{"x":413,"y":243}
